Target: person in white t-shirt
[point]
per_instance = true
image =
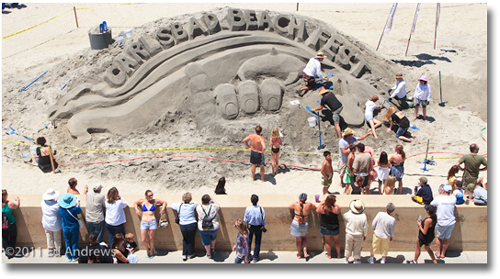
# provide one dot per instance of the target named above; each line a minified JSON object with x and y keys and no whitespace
{"x":311,"y":71}
{"x":445,"y":212}
{"x":51,"y":222}
{"x":370,"y":107}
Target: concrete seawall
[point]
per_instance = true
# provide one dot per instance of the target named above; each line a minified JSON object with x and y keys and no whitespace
{"x":470,"y":232}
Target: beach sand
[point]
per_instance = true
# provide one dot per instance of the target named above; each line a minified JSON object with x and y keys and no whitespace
{"x":460,"y":55}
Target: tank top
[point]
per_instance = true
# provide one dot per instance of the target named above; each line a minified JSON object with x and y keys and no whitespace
{"x":125,"y":254}
{"x":8,"y":213}
{"x":429,"y":237}
{"x":330,"y":220}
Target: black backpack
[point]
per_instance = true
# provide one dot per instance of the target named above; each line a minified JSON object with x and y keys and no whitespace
{"x":207,"y":224}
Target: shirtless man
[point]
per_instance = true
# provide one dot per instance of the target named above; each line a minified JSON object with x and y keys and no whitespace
{"x":257,"y":147}
{"x":350,"y":160}
{"x":327,"y":172}
{"x":72,"y":182}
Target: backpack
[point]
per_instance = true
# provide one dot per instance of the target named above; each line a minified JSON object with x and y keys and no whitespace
{"x":5,"y":221}
{"x":206,"y":223}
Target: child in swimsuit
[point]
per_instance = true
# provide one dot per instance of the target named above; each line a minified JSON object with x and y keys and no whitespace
{"x":275,"y":142}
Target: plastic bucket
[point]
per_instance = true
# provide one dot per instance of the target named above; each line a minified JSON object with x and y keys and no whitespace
{"x":100,"y":40}
{"x":312,"y":121}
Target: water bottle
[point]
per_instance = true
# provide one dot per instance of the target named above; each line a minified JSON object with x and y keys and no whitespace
{"x":420,"y":218}
{"x":460,"y":106}
{"x":415,"y":190}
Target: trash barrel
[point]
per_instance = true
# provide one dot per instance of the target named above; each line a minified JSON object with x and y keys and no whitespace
{"x":98,"y":39}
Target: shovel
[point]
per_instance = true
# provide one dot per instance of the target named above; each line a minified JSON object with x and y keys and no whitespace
{"x":440,"y":92}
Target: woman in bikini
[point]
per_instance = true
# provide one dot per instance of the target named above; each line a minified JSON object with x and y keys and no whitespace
{"x":397,"y":162}
{"x":300,"y":224}
{"x":148,"y":219}
{"x":275,"y":142}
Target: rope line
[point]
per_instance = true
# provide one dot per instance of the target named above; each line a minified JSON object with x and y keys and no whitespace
{"x":50,"y":19}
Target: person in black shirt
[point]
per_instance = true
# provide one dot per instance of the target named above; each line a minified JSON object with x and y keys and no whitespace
{"x":424,"y":194}
{"x":43,"y":155}
{"x":398,"y":117}
{"x":95,"y":253}
{"x":329,"y":99}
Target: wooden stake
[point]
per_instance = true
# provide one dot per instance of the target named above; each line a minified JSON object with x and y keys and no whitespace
{"x":76,"y":18}
{"x":297,"y":7}
{"x":51,"y":160}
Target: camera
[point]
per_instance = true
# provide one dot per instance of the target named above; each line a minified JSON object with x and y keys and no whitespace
{"x":263,"y":229}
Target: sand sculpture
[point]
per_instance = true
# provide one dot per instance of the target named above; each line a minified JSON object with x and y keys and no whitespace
{"x":228,"y":64}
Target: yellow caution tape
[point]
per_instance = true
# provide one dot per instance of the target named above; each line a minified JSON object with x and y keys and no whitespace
{"x":29,"y":28}
{"x":188,"y":149}
{"x":108,"y":6}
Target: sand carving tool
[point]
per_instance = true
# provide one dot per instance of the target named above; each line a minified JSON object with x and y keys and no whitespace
{"x":426,"y":161}
{"x":440,"y":91}
{"x":13,"y":132}
{"x":26,"y":87}
{"x":321,"y":146}
{"x":65,"y":84}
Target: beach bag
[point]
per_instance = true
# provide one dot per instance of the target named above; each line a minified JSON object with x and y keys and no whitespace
{"x":206,"y":223}
{"x":5,"y":222}
{"x":80,"y":222}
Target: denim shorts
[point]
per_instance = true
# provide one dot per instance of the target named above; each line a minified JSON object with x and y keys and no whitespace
{"x":149,"y":225}
{"x":207,"y":236}
{"x":444,"y":232}
{"x":421,"y":102}
{"x":368,"y":118}
{"x":325,"y":231}
{"x":401,"y":132}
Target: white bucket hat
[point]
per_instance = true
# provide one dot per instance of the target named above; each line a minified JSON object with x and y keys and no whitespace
{"x":50,"y":194}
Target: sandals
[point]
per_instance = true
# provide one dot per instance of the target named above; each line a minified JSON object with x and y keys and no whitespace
{"x":411,"y":262}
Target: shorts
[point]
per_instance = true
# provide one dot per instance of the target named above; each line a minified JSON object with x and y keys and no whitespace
{"x":368,"y":118}
{"x":398,"y":172}
{"x":311,"y":83}
{"x":336,"y":115}
{"x":299,"y":230}
{"x":444,"y":232}
{"x":257,"y":158}
{"x":275,"y":150}
{"x":325,"y":231}
{"x":418,"y":199}
{"x":327,"y":182}
{"x":421,"y":102}
{"x":401,"y":132}
{"x":342,"y":167}
{"x":149,"y":225}
{"x":365,"y":180}
{"x":207,"y":236}
{"x":380,"y":246}
{"x":424,"y":242}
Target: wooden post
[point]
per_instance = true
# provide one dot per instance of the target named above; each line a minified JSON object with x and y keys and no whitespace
{"x":297,"y":7}
{"x":51,"y":160}
{"x":76,"y":18}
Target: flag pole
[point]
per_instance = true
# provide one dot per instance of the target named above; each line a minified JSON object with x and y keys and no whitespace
{"x":385,"y":26}
{"x":408,"y":44}
{"x":438,"y":11}
{"x":412,"y":27}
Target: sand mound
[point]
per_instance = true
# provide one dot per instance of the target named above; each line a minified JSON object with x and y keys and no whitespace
{"x":206,"y":80}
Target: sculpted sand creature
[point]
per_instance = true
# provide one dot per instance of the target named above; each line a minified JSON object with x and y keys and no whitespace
{"x":211,"y":67}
